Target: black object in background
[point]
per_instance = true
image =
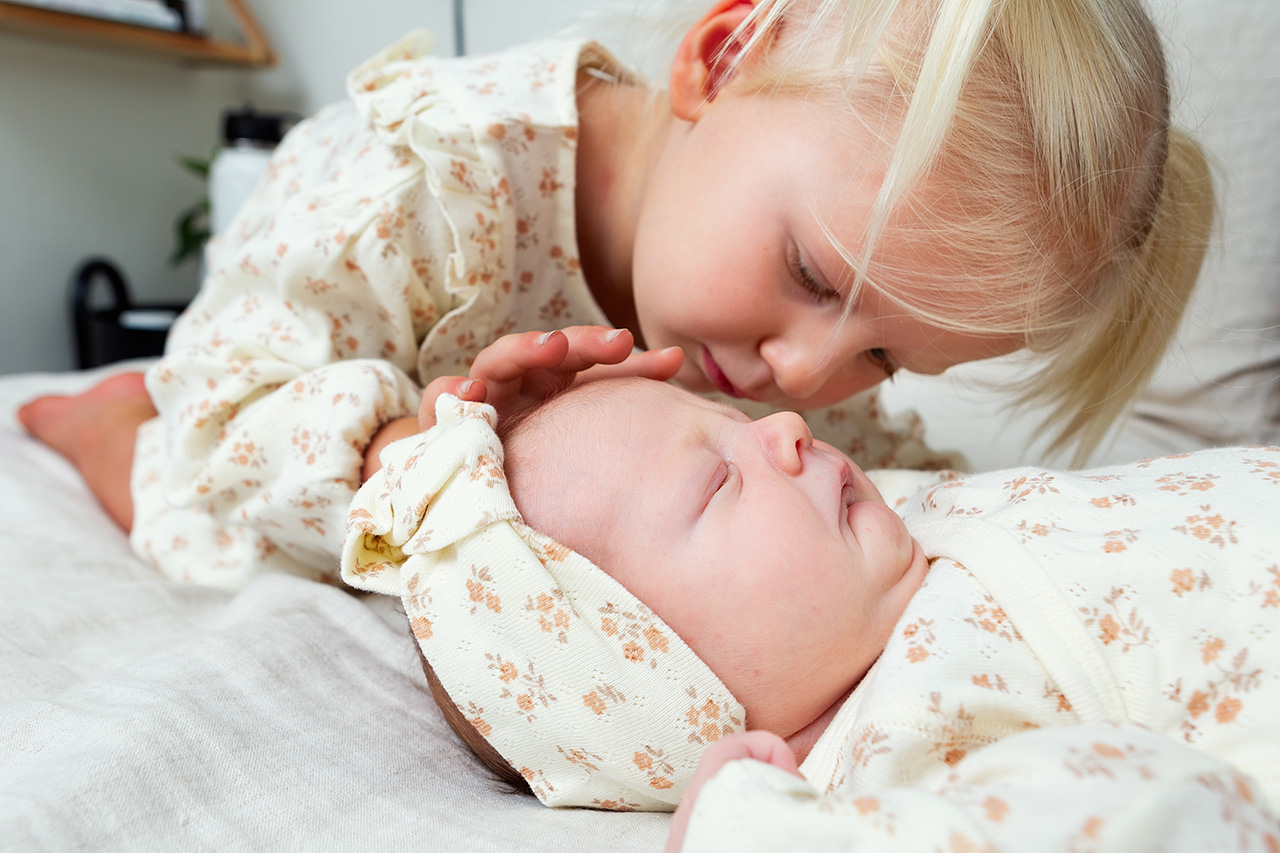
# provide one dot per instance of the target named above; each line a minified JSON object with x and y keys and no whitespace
{"x":119,"y":329}
{"x":180,"y":7}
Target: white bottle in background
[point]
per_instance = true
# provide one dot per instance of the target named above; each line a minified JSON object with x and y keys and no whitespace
{"x":248,"y":140}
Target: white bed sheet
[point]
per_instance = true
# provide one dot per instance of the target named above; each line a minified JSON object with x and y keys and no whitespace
{"x":136,"y":713}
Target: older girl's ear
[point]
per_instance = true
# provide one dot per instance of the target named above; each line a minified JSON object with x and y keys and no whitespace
{"x":705,"y":60}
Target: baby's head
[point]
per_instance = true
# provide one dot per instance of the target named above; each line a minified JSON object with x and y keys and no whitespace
{"x":679,"y":572}
{"x":855,"y":186}
{"x":768,"y":552}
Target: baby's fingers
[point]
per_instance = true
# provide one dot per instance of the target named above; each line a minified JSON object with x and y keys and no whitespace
{"x":472,"y":390}
{"x":758,"y":744}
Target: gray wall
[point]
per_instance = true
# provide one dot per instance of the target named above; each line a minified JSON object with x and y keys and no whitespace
{"x":89,"y":137}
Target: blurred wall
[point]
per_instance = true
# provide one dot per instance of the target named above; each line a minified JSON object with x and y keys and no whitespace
{"x":90,"y":136}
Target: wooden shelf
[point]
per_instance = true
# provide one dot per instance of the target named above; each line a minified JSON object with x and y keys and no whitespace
{"x":62,"y":26}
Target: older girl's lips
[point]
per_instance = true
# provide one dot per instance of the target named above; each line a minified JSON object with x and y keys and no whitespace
{"x":717,"y":377}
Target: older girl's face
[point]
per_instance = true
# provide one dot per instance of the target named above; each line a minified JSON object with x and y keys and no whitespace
{"x":733,"y":264}
{"x":767,"y":551}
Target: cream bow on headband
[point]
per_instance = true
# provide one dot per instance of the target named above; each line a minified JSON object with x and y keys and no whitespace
{"x":586,"y":692}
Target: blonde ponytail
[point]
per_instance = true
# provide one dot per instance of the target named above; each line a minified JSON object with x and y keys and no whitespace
{"x":1097,"y":369}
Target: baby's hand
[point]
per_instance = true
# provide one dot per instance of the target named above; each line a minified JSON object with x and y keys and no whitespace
{"x":522,"y":369}
{"x":758,"y":745}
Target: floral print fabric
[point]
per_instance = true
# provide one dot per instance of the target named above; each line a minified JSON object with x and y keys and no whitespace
{"x":586,"y":692}
{"x":393,"y":238}
{"x":1094,"y":657}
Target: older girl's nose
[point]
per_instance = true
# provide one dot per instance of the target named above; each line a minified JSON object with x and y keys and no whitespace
{"x":804,"y":362}
{"x":798,"y":371}
{"x":784,"y":437}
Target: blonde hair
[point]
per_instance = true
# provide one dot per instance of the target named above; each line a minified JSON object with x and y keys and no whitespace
{"x":1029,"y":153}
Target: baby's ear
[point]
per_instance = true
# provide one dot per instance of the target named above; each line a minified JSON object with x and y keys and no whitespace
{"x":705,"y":60}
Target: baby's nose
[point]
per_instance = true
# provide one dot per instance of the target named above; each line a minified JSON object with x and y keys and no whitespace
{"x":785,"y":437}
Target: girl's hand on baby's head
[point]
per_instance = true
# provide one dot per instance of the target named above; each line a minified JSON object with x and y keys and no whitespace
{"x":527,"y":368}
{"x":461,"y":387}
{"x":522,"y":369}
{"x":758,"y":745}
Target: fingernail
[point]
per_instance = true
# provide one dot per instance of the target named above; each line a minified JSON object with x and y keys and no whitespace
{"x":465,"y":387}
{"x":612,"y":335}
{"x":546,"y":336}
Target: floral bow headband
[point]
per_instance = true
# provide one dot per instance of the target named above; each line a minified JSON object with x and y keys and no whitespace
{"x":586,"y":692}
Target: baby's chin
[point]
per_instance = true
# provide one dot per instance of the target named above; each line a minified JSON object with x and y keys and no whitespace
{"x":916,"y":566}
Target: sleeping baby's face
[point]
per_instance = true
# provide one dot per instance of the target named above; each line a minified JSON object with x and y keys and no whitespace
{"x":768,"y":552}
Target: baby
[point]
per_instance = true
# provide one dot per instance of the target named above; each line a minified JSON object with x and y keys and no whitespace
{"x":768,"y":552}
{"x":1067,"y":657}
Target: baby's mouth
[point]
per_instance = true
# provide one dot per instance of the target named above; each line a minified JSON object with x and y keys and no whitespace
{"x":852,"y":491}
{"x":717,"y":377}
{"x":848,"y":492}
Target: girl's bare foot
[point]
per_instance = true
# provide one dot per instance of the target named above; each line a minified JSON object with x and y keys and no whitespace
{"x":96,"y":431}
{"x":66,"y":423}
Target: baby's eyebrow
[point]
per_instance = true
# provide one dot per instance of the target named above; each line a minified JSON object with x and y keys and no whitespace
{"x":694,"y":437}
{"x":699,"y":434}
{"x":728,"y":411}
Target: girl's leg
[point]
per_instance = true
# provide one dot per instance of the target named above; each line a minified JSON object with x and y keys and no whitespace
{"x":96,"y":431}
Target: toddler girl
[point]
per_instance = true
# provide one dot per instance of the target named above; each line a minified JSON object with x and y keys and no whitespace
{"x":828,"y":191}
{"x":1024,"y":658}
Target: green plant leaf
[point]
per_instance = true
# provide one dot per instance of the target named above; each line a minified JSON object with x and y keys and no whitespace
{"x":191,"y":228}
{"x":198,"y":166}
{"x":191,"y":232}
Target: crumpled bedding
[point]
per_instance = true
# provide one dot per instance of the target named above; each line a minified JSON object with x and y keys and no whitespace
{"x":137,"y":713}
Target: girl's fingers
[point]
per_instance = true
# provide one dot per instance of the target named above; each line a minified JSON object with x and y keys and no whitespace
{"x":592,"y":345}
{"x":570,"y":349}
{"x":524,"y":368}
{"x":510,"y":357}
{"x":506,"y":365}
{"x":527,"y":367}
{"x":592,"y":357}
{"x":530,"y":366}
{"x":650,"y":364}
{"x":462,"y":387}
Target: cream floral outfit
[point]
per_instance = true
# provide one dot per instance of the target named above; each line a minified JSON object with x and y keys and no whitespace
{"x":393,"y":238}
{"x":1093,"y":663}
